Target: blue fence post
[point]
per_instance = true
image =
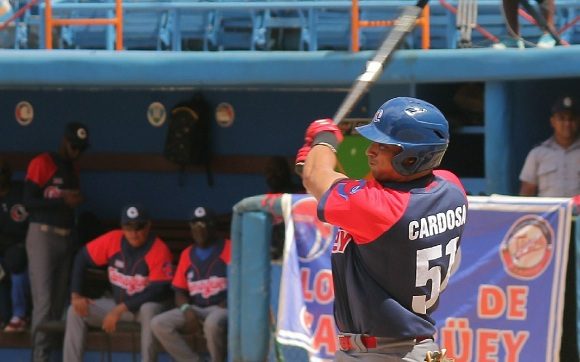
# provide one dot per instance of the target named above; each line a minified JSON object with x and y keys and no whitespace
{"x":255,"y":286}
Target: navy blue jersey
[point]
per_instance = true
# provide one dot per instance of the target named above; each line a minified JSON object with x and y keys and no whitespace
{"x":137,"y":275}
{"x":13,"y":217}
{"x":47,"y":175}
{"x":204,"y":281}
{"x":393,"y":252}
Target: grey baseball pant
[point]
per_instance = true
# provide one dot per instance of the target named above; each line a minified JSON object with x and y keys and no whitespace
{"x":76,"y":328}
{"x":167,"y":327}
{"x":49,"y":256}
{"x":406,"y":351}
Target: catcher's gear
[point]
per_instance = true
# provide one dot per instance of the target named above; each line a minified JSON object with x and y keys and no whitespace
{"x":437,"y":356}
{"x":416,"y":126}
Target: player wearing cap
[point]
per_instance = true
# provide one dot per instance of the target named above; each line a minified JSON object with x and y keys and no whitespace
{"x":140,"y":272}
{"x":552,"y":169}
{"x":200,"y":286}
{"x":51,"y":195}
{"x":398,"y":232}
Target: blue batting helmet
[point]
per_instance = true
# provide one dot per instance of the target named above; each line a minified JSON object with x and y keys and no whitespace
{"x":416,"y":126}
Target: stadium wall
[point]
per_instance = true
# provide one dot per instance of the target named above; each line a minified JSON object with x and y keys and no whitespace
{"x":275,"y":95}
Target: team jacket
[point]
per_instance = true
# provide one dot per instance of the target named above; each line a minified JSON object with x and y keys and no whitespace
{"x":137,"y":275}
{"x":204,"y":281}
{"x":47,"y":175}
{"x":13,"y":217}
{"x":393,"y":251}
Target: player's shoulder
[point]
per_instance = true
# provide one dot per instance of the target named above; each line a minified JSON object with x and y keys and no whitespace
{"x":450,"y":177}
{"x":185,"y":253}
{"x":160,"y":245}
{"x":42,"y":158}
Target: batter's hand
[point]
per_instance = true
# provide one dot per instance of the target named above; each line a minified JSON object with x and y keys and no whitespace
{"x":300,"y":158}
{"x":319,"y":126}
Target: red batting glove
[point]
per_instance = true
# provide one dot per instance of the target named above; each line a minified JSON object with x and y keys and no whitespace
{"x":301,"y":158}
{"x":319,"y":126}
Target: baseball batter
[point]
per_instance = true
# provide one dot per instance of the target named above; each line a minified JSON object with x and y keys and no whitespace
{"x":398,"y":232}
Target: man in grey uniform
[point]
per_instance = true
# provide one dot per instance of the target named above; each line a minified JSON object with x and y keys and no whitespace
{"x":552,"y":169}
{"x":51,"y":195}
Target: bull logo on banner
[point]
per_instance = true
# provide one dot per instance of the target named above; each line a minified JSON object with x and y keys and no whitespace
{"x":316,"y":236}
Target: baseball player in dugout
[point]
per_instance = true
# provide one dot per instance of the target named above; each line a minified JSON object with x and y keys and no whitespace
{"x":552,"y":169}
{"x":200,"y":285}
{"x":51,"y":195}
{"x":140,"y":270}
{"x":399,"y":231}
{"x":14,"y":285}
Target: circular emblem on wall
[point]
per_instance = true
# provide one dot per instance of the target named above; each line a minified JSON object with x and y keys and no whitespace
{"x":156,"y":114}
{"x":527,"y":248}
{"x":224,"y":114}
{"x":24,"y":113}
{"x":18,"y":213}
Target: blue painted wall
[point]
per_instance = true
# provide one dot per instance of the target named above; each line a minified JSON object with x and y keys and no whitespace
{"x":270,"y":118}
{"x":267,"y":123}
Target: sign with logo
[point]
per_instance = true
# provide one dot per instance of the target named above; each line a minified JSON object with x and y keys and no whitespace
{"x":504,"y":302}
{"x":506,"y":299}
{"x":156,"y":114}
{"x":305,"y":317}
{"x":224,"y":115}
{"x":24,"y":113}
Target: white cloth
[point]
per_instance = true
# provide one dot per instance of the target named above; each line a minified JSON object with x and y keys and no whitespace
{"x":555,"y":170}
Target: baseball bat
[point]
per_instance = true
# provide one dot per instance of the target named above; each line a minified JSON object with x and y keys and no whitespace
{"x":403,"y":26}
{"x":539,"y":18}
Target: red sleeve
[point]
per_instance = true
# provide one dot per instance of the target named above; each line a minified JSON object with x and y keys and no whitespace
{"x":41,"y":169}
{"x":104,"y":247}
{"x":159,"y":261}
{"x":365,"y":209}
{"x":180,"y":280}
{"x":227,"y":252}
{"x":450,"y":176}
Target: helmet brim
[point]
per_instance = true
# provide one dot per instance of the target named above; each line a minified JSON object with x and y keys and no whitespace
{"x":369,"y":131}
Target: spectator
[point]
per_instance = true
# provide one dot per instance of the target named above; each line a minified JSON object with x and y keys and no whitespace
{"x":510,"y":11}
{"x":140,"y":272}
{"x":552,"y":169}
{"x":14,"y":288}
{"x":200,"y":285}
{"x":51,"y":195}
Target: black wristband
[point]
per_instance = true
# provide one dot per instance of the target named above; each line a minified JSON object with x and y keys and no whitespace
{"x":326,"y":137}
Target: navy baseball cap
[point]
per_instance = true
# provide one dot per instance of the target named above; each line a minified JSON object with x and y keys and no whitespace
{"x":566,"y":103}
{"x":134,"y":214}
{"x":203,"y":214}
{"x":77,"y":134}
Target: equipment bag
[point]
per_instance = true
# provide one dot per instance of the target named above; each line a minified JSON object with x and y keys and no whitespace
{"x":188,"y":135}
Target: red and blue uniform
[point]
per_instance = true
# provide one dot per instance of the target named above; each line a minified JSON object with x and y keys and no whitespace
{"x":137,"y":275}
{"x":13,"y":217}
{"x":47,"y":175}
{"x":394,"y":251}
{"x":204,"y":280}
